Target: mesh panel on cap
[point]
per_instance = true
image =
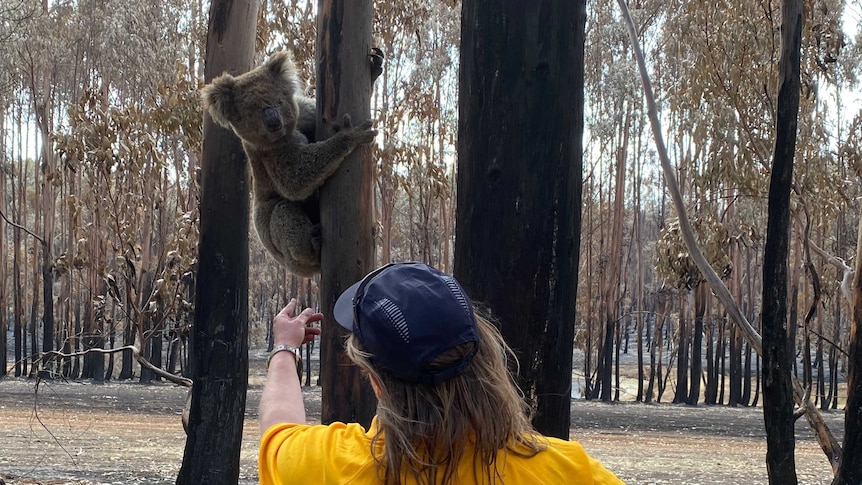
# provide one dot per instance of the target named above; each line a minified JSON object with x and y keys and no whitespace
{"x":456,"y":291}
{"x":395,"y":318}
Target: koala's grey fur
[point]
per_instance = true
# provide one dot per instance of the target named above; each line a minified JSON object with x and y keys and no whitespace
{"x":276,"y":125}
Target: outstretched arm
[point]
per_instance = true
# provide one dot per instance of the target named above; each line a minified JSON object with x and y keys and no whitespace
{"x":281,"y":401}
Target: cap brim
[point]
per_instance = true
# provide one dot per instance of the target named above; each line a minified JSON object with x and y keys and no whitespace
{"x":343,"y":310}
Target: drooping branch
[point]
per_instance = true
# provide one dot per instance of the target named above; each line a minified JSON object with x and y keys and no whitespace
{"x":825,"y":438}
{"x":829,"y":341}
{"x":847,"y":275}
{"x":718,"y":287}
{"x":18,"y":226}
{"x":847,"y":272}
{"x":182,"y":381}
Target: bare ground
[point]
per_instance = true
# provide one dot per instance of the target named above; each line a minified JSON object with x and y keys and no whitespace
{"x":129,"y":433}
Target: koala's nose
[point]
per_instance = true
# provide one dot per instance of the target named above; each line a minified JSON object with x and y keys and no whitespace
{"x":271,"y":119}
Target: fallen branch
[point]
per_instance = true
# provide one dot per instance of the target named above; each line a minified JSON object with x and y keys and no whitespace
{"x":46,"y":357}
{"x":44,"y":426}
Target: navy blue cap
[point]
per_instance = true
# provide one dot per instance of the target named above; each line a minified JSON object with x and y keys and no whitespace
{"x":406,"y":315}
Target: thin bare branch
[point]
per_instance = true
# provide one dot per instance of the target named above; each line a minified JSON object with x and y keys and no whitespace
{"x":182,"y":381}
{"x":18,"y":226}
{"x":44,"y":426}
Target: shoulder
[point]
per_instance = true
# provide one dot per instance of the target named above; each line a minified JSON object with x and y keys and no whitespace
{"x":295,"y":438}
{"x":563,"y":462}
{"x":291,"y":452}
{"x":573,"y":452}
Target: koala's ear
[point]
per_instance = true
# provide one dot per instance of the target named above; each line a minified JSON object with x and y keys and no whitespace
{"x":219,"y":98}
{"x":281,"y":65}
{"x":280,"y":62}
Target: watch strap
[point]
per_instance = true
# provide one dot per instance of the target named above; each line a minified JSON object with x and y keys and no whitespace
{"x":282,"y":347}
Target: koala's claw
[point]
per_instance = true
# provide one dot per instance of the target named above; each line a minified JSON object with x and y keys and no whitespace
{"x":345,"y":122}
{"x":360,"y":134}
{"x":364,"y":132}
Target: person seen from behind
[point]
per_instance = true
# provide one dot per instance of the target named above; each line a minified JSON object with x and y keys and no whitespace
{"x":448,"y":409}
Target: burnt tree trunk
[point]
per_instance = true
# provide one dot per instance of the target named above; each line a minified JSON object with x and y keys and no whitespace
{"x":745,"y":400}
{"x":639,"y":291}
{"x":520,"y":134}
{"x":735,"y":357}
{"x":721,"y":360}
{"x":681,"y":394}
{"x":346,"y":213}
{"x":700,"y":295}
{"x":126,"y":370}
{"x":17,"y":294}
{"x":606,"y":360}
{"x":710,"y":392}
{"x":94,"y":338}
{"x":777,"y":354}
{"x":147,"y":327}
{"x":219,"y":340}
{"x":48,"y":302}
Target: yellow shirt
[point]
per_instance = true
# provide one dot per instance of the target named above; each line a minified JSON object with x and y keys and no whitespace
{"x":341,"y":453}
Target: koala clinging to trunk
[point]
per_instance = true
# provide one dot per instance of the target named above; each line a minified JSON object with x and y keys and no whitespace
{"x":276,"y":125}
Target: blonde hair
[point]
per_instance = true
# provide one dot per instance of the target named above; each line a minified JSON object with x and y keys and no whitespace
{"x":425,"y":429}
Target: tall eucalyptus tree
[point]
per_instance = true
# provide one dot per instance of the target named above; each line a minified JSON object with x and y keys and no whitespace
{"x":347,"y":254}
{"x":219,"y":339}
{"x":519,"y":176}
{"x":777,"y":353}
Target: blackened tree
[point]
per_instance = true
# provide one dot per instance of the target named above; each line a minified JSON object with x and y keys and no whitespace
{"x":777,"y":354}
{"x":346,"y":213}
{"x":519,"y":183}
{"x":219,"y":340}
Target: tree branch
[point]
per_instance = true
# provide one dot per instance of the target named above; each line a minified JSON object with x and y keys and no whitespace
{"x":182,"y":381}
{"x":827,"y":340}
{"x":847,"y":274}
{"x":18,"y":226}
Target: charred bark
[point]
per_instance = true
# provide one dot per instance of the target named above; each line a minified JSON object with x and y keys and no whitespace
{"x":700,"y":295}
{"x":777,"y":354}
{"x":219,"y":340}
{"x":346,"y":212}
{"x":519,"y":170}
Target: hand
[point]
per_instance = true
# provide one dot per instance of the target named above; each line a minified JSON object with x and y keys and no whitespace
{"x":360,"y":135}
{"x":295,"y":330}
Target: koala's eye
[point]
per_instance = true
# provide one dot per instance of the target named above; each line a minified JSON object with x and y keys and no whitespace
{"x":271,"y":118}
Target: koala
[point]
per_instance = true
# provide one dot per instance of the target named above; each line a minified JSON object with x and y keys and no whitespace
{"x":276,"y":125}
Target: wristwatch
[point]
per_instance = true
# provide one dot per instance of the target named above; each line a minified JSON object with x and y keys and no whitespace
{"x":290,"y":348}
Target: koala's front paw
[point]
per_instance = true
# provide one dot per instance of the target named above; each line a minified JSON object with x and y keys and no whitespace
{"x":360,"y":134}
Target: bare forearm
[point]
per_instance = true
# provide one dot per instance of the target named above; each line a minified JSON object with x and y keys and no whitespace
{"x":281,"y":401}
